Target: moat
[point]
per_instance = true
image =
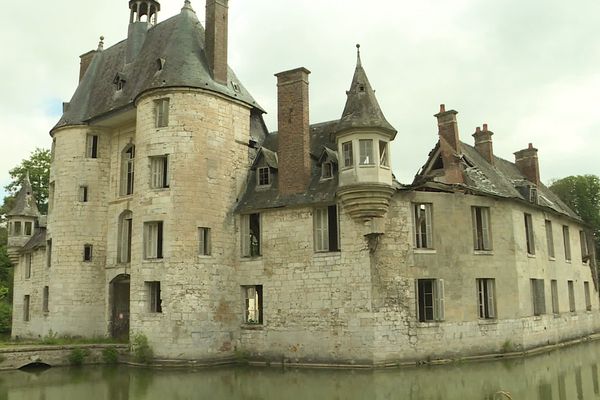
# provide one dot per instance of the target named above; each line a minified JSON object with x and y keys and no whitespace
{"x":562,"y":374}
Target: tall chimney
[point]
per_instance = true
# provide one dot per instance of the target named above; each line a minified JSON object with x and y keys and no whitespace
{"x":86,"y":60}
{"x":294,"y":136}
{"x":449,"y":145}
{"x":216,"y":39}
{"x":528,"y":164}
{"x":483,"y":143}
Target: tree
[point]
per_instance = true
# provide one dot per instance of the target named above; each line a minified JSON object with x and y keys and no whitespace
{"x":582,"y":194}
{"x":38,"y":166}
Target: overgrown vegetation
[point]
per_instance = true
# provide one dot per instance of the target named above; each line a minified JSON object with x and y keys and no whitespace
{"x":110,"y":355}
{"x":78,"y":356}
{"x":140,"y":348}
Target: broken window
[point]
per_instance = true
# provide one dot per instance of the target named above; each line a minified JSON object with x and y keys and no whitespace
{"x":571,"y":296}
{"x":538,"y":296}
{"x":153,"y":240}
{"x":383,"y":154}
{"x":45,"y":299}
{"x":549,"y":239}
{"x":529,"y":236}
{"x":430,"y":300}
{"x":83,"y":194}
{"x":204,"y":239}
{"x":554,"y":294}
{"x":159,"y":172}
{"x":326,"y":229}
{"x":423,"y":229}
{"x":567,"y":243}
{"x":588,"y":299}
{"x":264,"y":176}
{"x":28,"y":257}
{"x":161,"y":108}
{"x":326,"y":170}
{"x":26,"y":308}
{"x":87,"y":253}
{"x":91,"y":146}
{"x":28,"y":228}
{"x":253,"y":304}
{"x":482,"y":235}
{"x":348,"y":154}
{"x":250,"y":229}
{"x":365,"y":147}
{"x":486,"y":293}
{"x":585,"y":255}
{"x":154,"y":297}
{"x":124,"y":236}
{"x":127,"y":170}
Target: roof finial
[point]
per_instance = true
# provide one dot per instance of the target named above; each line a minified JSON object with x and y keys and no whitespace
{"x":358,"y":62}
{"x":101,"y":44}
{"x":187,"y":4}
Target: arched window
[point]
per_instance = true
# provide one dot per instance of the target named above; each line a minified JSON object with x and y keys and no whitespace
{"x":127,"y":170}
{"x":124,"y":236}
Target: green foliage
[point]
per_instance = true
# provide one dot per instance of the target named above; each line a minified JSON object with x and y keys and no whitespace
{"x":110,"y":355}
{"x":50,"y":338}
{"x":140,"y":348}
{"x":38,"y":165}
{"x":507,"y":346}
{"x":582,"y":194}
{"x":78,"y":356}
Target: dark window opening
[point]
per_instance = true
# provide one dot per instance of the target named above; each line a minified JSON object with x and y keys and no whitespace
{"x":92,"y":146}
{"x":155,"y":299}
{"x":87,"y":252}
{"x":45,"y":299}
{"x":204,"y":239}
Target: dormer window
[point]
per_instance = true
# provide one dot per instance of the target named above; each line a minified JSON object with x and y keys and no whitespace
{"x":326,"y":170}
{"x":236,"y":87}
{"x":119,"y":82}
{"x":160,"y":64}
{"x":264,"y":176}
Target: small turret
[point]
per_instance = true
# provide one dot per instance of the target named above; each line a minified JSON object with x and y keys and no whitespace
{"x":22,"y":219}
{"x":363,"y":136}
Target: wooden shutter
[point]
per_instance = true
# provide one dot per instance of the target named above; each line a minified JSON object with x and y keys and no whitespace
{"x":485,"y":228}
{"x":440,"y":314}
{"x":491,"y":297}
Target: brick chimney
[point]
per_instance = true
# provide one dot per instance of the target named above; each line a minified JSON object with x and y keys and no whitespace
{"x":527,"y":163}
{"x":483,"y":143}
{"x":216,"y":39}
{"x":294,"y":136}
{"x":449,"y":145}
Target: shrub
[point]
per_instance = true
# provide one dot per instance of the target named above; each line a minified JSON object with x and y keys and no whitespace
{"x":110,"y":355}
{"x":5,"y":316}
{"x":77,"y":356}
{"x":142,"y":352}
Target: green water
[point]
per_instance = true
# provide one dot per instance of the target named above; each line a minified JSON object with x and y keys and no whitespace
{"x":565,"y":374}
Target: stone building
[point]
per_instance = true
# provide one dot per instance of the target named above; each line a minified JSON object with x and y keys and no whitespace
{"x":175,"y":213}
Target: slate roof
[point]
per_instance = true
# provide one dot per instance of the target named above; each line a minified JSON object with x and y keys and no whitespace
{"x":25,"y":204}
{"x":38,"y":240}
{"x":179,"y":41}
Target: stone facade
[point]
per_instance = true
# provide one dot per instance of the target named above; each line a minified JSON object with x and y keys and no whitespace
{"x":160,"y":225}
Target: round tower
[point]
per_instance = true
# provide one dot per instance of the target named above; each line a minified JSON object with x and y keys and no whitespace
{"x":22,"y":220}
{"x":363,"y":139}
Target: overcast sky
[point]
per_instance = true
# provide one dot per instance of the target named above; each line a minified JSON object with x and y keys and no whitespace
{"x":530,"y":69}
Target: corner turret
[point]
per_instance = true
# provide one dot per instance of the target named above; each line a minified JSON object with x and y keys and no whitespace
{"x":22,"y":219}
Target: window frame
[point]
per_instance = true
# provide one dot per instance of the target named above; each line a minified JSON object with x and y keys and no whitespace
{"x":250,"y":248}
{"x":436,"y":294}
{"x":49,"y":253}
{"x":486,"y":298}
{"x":154,"y":293}
{"x":153,"y":240}
{"x":529,"y":234}
{"x":326,"y":229}
{"x":554,"y":296}
{"x":348,"y":154}
{"x":254,"y":293}
{"x":260,"y":175}
{"x":160,"y":172}
{"x":83,"y":194}
{"x":571,"y":291}
{"x":567,"y":243}
{"x":161,"y":111}
{"x":482,"y":228}
{"x":550,"y":239}
{"x":588,"y":299}
{"x":28,"y":264}
{"x":124,"y":237}
{"x":384,"y":156}
{"x":27,"y":228}
{"x":427,"y":210}
{"x":88,"y":253}
{"x":583,"y":244}
{"x":26,"y":308}
{"x":365,"y":153}
{"x":204,"y":241}
{"x":46,"y":300}
{"x":326,"y":170}
{"x":538,"y":296}
{"x":91,"y":146}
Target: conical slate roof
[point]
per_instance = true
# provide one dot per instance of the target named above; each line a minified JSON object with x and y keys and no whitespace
{"x":172,"y":56}
{"x":25,"y":205}
{"x":362,"y":109}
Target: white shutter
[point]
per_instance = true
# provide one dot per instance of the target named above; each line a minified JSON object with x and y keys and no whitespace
{"x":491,"y":300}
{"x":151,"y":240}
{"x":245,"y":234}
{"x":428,"y":227}
{"x":321,"y":230}
{"x":485,"y":228}
{"x":440,"y":313}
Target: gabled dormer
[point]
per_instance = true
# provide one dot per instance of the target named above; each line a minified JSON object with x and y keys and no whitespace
{"x":265,"y":168}
{"x":328,"y":163}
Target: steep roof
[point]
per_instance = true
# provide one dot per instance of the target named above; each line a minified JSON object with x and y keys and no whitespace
{"x":362,"y":108}
{"x":176,"y":44}
{"x":25,"y":204}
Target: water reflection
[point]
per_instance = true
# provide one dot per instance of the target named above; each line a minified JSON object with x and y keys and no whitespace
{"x":564,"y":374}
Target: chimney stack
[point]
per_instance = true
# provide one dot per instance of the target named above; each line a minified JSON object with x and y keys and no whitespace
{"x":483,"y":143}
{"x":449,"y":145}
{"x":527,"y":163}
{"x":216,"y":39}
{"x":86,"y":60}
{"x":294,"y":136}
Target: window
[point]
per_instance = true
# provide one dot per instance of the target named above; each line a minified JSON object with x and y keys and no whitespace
{"x":204,"y":239}
{"x":482,"y":238}
{"x":554,"y":294}
{"x":87,"y":253}
{"x":567,"y":243}
{"x":326,"y":229}
{"x":264,"y":176}
{"x":50,"y":197}
{"x":28,"y":228}
{"x":585,"y":255}
{"x":250,"y":235}
{"x":162,"y":113}
{"x":365,"y":147}
{"x":45,"y":299}
{"x":154,"y":298}
{"x":127,"y":170}
{"x":253,"y":304}
{"x":159,"y":172}
{"x":571,"y":296}
{"x":326,"y":170}
{"x":91,"y":146}
{"x":383,"y":154}
{"x":17,"y":228}
{"x":48,"y":253}
{"x":83,"y":194}
{"x":538,"y":296}
{"x":153,"y":240}
{"x":430,"y":300}
{"x":588,"y":299}
{"x":28,"y":257}
{"x":124,"y":235}
{"x":529,"y":236}
{"x":549,"y":239}
{"x":348,"y":154}
{"x":423,"y":229}
{"x":26,"y":308}
{"x":486,"y":295}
